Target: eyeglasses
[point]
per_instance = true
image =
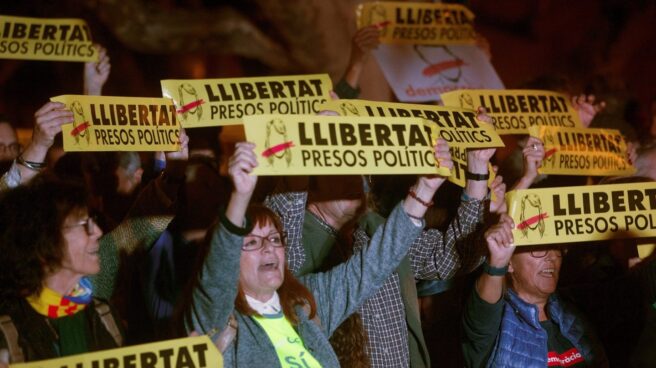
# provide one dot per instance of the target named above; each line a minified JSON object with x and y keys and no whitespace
{"x":541,"y":253}
{"x":11,"y":147}
{"x":89,"y":225}
{"x":256,"y":242}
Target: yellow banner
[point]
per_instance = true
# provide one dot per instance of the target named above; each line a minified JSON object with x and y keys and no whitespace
{"x":46,"y":39}
{"x":645,"y":250}
{"x":457,"y":126}
{"x":335,"y":145}
{"x":120,"y":124}
{"x":191,"y":352}
{"x":514,"y":111}
{"x":583,"y":151}
{"x":212,"y":102}
{"x":419,"y":23}
{"x":586,"y":213}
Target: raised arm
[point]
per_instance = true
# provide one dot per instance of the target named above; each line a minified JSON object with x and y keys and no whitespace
{"x":533,"y":154}
{"x":435,"y":255}
{"x":340,"y":291}
{"x":364,"y":40}
{"x":214,"y":298}
{"x":48,"y":121}
{"x":148,"y":217}
{"x":96,"y":73}
{"x":484,"y":309}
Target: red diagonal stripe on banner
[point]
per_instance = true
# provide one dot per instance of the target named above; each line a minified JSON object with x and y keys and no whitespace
{"x":382,"y":24}
{"x":275,"y":149}
{"x":532,"y":220}
{"x":439,"y":67}
{"x":80,"y":128}
{"x":550,"y":152}
{"x":190,"y":106}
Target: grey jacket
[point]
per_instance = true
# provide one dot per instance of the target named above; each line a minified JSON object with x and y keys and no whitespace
{"x":338,"y":293}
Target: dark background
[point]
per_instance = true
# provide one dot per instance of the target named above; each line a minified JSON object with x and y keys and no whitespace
{"x":606,"y":47}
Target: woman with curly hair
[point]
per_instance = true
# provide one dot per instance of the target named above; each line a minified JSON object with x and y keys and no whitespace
{"x":49,"y":246}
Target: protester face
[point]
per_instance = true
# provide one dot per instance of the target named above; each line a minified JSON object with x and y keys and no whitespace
{"x":535,"y":272}
{"x":9,"y":147}
{"x":262,"y":270}
{"x":81,"y":235}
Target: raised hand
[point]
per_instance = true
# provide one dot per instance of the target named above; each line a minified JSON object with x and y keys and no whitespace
{"x":533,"y":156}
{"x":48,"y":123}
{"x":443,"y":158}
{"x":240,"y":167}
{"x":183,"y":152}
{"x":498,"y":187}
{"x":499,"y":240}
{"x":478,"y":159}
{"x":364,"y":40}
{"x":96,"y":73}
{"x":587,"y":108}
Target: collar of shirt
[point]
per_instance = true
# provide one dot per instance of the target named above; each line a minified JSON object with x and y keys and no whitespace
{"x":271,"y":306}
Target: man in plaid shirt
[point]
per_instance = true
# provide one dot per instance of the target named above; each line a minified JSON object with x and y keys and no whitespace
{"x":391,"y":316}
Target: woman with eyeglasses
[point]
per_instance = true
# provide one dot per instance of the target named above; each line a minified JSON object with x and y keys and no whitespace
{"x":48,"y":250}
{"x":515,"y":318}
{"x":251,"y":305}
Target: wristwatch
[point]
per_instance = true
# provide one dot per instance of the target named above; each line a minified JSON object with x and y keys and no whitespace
{"x":494,"y":271}
{"x":477,"y":177}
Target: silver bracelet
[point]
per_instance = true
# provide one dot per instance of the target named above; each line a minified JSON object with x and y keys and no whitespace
{"x":36,"y":166}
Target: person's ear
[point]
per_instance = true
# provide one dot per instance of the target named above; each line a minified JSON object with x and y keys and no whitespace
{"x":510,"y":266}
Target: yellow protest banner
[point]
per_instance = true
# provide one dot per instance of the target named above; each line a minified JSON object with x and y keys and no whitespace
{"x":459,"y":127}
{"x":419,"y":23}
{"x":583,"y":151}
{"x":586,"y":213}
{"x":213,"y":102}
{"x":105,"y":123}
{"x":514,"y":111}
{"x":190,"y":352}
{"x":335,"y":145}
{"x":646,"y":249}
{"x":46,"y":39}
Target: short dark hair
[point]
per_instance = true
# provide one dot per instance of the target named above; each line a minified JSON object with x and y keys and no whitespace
{"x":31,"y":242}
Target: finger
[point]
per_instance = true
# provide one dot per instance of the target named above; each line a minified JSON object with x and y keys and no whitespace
{"x":446,"y":162}
{"x":501,"y":238}
{"x":244,"y":144}
{"x":507,"y":220}
{"x":500,"y":190}
{"x":54,"y":115}
{"x":48,"y":107}
{"x":247,"y":156}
